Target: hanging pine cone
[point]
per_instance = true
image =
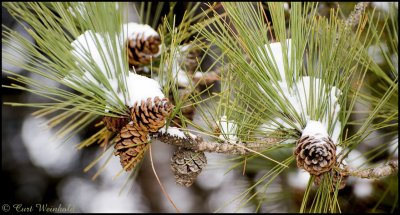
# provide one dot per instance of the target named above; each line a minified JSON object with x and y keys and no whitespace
{"x":187,"y":165}
{"x":141,"y":49}
{"x":150,"y":115}
{"x":115,"y":123}
{"x":315,"y":154}
{"x":131,"y":144}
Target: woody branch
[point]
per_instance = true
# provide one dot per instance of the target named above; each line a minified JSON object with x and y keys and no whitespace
{"x":388,"y":169}
{"x":196,"y":143}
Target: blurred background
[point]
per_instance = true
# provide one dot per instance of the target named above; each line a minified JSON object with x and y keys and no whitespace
{"x":38,"y":169}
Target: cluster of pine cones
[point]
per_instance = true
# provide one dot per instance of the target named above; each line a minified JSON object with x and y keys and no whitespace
{"x":132,"y":141}
{"x":148,"y":116}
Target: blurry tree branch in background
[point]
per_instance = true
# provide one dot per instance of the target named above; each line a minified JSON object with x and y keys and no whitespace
{"x":391,"y":168}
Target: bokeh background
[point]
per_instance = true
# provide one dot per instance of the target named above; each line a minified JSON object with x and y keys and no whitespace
{"x":38,"y":169}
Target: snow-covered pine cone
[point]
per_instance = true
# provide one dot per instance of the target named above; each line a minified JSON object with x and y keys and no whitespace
{"x":187,"y":165}
{"x":141,"y":49}
{"x":315,"y":154}
{"x":150,"y":115}
{"x":115,"y":123}
{"x":131,"y":144}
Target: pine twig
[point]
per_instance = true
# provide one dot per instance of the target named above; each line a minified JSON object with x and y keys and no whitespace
{"x":196,"y":143}
{"x":390,"y":168}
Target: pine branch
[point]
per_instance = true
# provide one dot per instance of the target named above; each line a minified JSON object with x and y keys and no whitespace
{"x":390,"y":168}
{"x":355,"y":15}
{"x":196,"y":143}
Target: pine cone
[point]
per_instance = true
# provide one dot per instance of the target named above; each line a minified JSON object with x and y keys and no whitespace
{"x":131,"y":144}
{"x":147,"y":117}
{"x":150,"y":115}
{"x":315,"y":154}
{"x":141,"y":49}
{"x":114,"y":123}
{"x":187,"y":165}
{"x":336,"y":176}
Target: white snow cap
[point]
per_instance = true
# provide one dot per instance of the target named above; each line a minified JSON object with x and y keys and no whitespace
{"x":173,"y":131}
{"x":299,"y":94}
{"x":228,"y":129}
{"x":139,"y":87}
{"x":315,"y":128}
{"x":133,"y":30}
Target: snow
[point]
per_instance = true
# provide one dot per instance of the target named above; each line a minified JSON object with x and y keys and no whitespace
{"x":276,"y":54}
{"x":299,"y":94}
{"x":141,"y":87}
{"x":298,"y":97}
{"x":138,"y":87}
{"x":228,"y":129}
{"x":173,"y":131}
{"x":376,"y":53}
{"x":198,"y":75}
{"x":356,"y":159}
{"x":181,"y":77}
{"x":298,"y":179}
{"x":45,"y":150}
{"x":385,"y":6}
{"x":134,"y":30}
{"x":362,"y":188}
{"x":315,"y":128}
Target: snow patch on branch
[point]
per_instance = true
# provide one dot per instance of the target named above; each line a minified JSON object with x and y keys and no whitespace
{"x":85,"y":47}
{"x":173,"y":131}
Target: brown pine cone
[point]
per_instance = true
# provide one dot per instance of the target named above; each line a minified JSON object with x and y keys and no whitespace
{"x":315,"y":154}
{"x":141,"y":49}
{"x":150,"y":115}
{"x":131,"y":144}
{"x":147,"y":117}
{"x":336,"y":176}
{"x":115,"y":123}
{"x":187,"y":165}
